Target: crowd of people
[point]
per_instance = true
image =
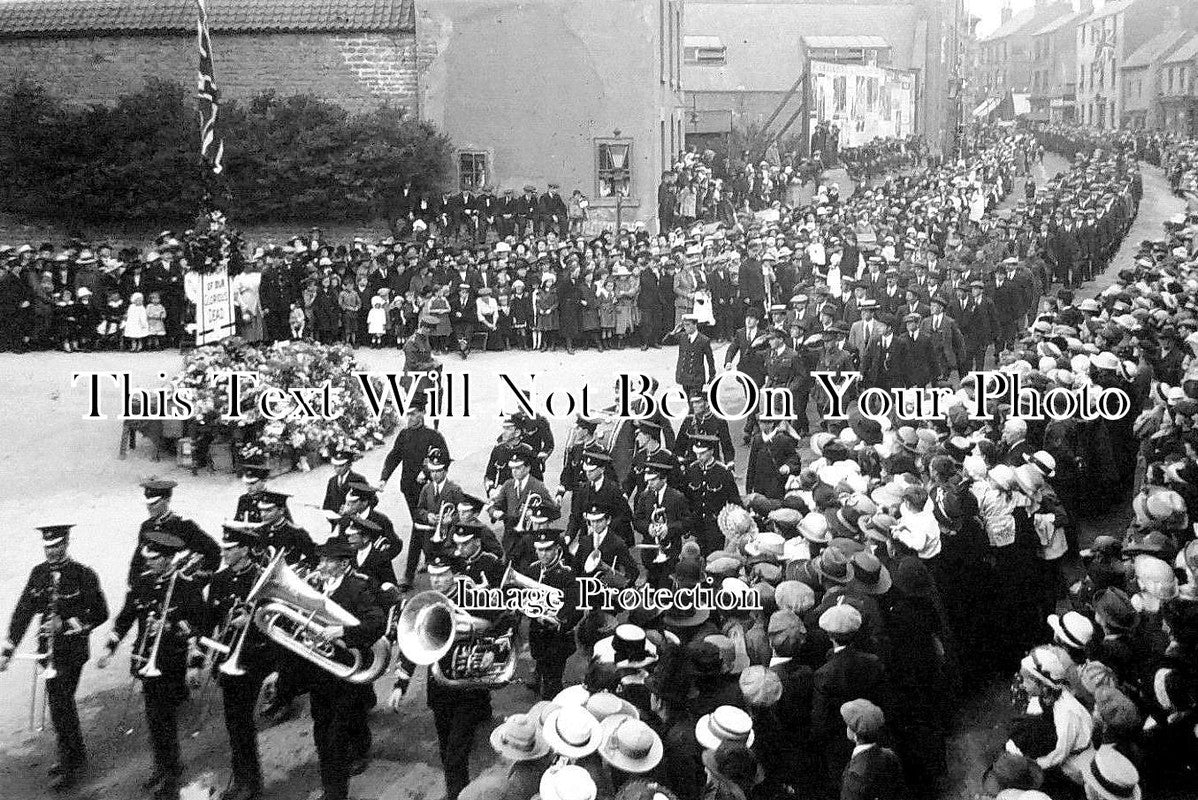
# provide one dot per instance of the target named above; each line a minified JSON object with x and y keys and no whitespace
{"x":896,"y":568}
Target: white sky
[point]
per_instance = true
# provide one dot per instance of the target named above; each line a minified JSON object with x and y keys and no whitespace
{"x":990,"y":11}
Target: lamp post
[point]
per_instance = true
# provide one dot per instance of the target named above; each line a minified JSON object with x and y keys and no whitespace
{"x":617,"y":153}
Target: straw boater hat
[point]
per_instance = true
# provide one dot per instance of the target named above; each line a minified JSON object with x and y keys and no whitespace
{"x":630,"y":745}
{"x":602,"y":705}
{"x":1111,"y":776}
{"x":576,"y":695}
{"x":567,"y":782}
{"x":572,"y":731}
{"x":519,"y":738}
{"x":725,"y":724}
{"x":628,"y":647}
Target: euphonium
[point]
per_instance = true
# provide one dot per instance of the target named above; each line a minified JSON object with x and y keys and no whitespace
{"x":297,"y":616}
{"x":427,"y":631}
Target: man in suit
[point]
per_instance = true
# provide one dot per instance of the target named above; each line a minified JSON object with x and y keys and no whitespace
{"x":947,"y":341}
{"x":338,"y":485}
{"x":873,"y":772}
{"x":786,"y":369}
{"x":599,"y":489}
{"x":914,"y":353}
{"x":649,"y":301}
{"x":773,"y":457}
{"x":410,"y":449}
{"x":979,"y":325}
{"x":686,"y":283}
{"x":526,"y":210}
{"x":848,"y":674}
{"x":891,"y":298}
{"x":864,"y":329}
{"x":914,"y":304}
{"x":696,"y":362}
{"x":661,"y":516}
{"x":435,"y":493}
{"x":751,"y":344}
{"x":507,"y":213}
{"x":551,"y":212}
{"x":879,"y":366}
{"x":1008,"y":298}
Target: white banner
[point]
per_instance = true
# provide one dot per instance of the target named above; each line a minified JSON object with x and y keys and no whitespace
{"x":864,"y":102}
{"x":214,"y":312}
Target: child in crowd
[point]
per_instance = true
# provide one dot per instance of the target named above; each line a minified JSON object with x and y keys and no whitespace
{"x":351,"y":303}
{"x":504,"y":327}
{"x":521,"y":314}
{"x":88,"y":313}
{"x":111,"y":322}
{"x":66,"y":320}
{"x":605,"y":292}
{"x":137,"y":324}
{"x":156,"y":314}
{"x":376,"y":320}
{"x":298,"y":320}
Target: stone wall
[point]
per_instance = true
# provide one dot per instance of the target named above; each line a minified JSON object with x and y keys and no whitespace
{"x":357,"y":71}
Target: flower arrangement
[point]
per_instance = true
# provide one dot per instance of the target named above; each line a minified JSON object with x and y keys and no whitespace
{"x":283,"y":365}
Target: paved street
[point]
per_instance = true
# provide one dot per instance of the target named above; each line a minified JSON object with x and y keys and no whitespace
{"x":59,"y":467}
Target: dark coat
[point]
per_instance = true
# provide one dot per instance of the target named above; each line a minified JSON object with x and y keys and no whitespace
{"x":882,"y":366}
{"x":765,"y":459}
{"x":979,"y":322}
{"x":874,"y":774}
{"x":696,"y":362}
{"x":916,"y":358}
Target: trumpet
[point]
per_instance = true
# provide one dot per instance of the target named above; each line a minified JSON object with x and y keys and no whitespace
{"x":185,"y":565}
{"x":658,"y":528}
{"x":439,"y":530}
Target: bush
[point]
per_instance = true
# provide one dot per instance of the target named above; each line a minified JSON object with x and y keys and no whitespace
{"x":293,"y":158}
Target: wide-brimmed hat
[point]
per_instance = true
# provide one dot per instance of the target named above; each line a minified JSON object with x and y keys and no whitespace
{"x":572,"y":731}
{"x":627,"y":647}
{"x":519,"y":738}
{"x":630,"y":745}
{"x":869,"y":574}
{"x":1071,"y":629}
{"x":1110,"y":775}
{"x":576,"y":695}
{"x":567,"y":782}
{"x":725,"y":724}
{"x":602,"y":705}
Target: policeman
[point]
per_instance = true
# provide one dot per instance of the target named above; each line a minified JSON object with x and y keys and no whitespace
{"x":158,"y":493}
{"x":166,"y":603}
{"x":243,"y":669}
{"x":67,"y":596}
{"x":277,"y":531}
{"x":551,"y":637}
{"x":458,"y":710}
{"x":254,"y":476}
{"x":708,"y":487}
{"x":661,"y":516}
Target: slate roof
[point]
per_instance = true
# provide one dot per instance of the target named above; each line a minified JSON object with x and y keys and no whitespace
{"x":1060,"y":22}
{"x":57,"y":18}
{"x":1012,"y":26}
{"x":1154,"y":48}
{"x":764,"y":40}
{"x":1186,"y":52}
{"x":1110,"y":8}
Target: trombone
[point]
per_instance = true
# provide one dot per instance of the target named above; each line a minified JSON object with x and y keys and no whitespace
{"x":157,"y":623}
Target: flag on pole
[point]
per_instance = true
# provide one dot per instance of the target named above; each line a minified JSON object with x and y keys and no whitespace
{"x":212,"y":149}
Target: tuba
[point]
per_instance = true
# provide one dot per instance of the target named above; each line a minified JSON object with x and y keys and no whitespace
{"x":428,"y":629}
{"x":296,"y":616}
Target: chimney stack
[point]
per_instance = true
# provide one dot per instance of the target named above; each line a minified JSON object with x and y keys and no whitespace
{"x":1006,"y":12}
{"x":1086,"y":6}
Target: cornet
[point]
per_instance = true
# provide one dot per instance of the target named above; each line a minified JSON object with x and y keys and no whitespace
{"x":439,"y":531}
{"x":658,"y":529}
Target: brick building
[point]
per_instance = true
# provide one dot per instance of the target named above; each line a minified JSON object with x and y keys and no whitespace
{"x":586,"y":93}
{"x":1054,"y":56}
{"x":357,"y":53}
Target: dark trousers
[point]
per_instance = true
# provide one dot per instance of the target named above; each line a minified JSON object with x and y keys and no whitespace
{"x":336,"y":732}
{"x":291,"y":682}
{"x":162,"y":698}
{"x":456,"y":716}
{"x":650,"y":327}
{"x":240,"y":696}
{"x":60,"y":695}
{"x":416,"y":545}
{"x":550,"y":650}
{"x":975,"y":358}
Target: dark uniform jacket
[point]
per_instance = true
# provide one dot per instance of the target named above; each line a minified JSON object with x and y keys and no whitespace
{"x":228,"y":589}
{"x":696,"y":362}
{"x":376,"y":564}
{"x":709,"y":425}
{"x":636,"y":475}
{"x":608,"y":496}
{"x":614,"y":550}
{"x":146,"y":596}
{"x":411,"y":449}
{"x":560,"y":577}
{"x":78,"y":595}
{"x":337,"y":488}
{"x":677,"y":517}
{"x":193,"y":538}
{"x":709,"y":489}
{"x":293,"y":540}
{"x":765,"y":459}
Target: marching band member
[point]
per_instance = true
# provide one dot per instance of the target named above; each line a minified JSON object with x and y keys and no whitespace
{"x":708,"y":486}
{"x":551,"y":639}
{"x":362,"y":500}
{"x":278,"y":532}
{"x":411,"y":449}
{"x":498,"y":467}
{"x":227,"y":592}
{"x":661,"y":516}
{"x":67,"y":595}
{"x":600,"y":488}
{"x":254,"y":476}
{"x":158,"y":494}
{"x":340,"y":728}
{"x":472,"y":560}
{"x":373,"y":555}
{"x":649,"y":448}
{"x":536,"y":433}
{"x":665,"y":427}
{"x":513,"y":498}
{"x":343,"y":475}
{"x":573,"y":473}
{"x":702,"y":421}
{"x":459,"y":710}
{"x":614,"y":553}
{"x":165,"y":601}
{"x":436,"y":492}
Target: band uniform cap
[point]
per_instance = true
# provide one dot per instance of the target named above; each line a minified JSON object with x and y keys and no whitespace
{"x":53,"y":535}
{"x":648,"y":425}
{"x":863,"y":718}
{"x":337,"y":547}
{"x":704,"y":441}
{"x":272,"y":499}
{"x":158,"y":487}
{"x":521,"y":455}
{"x":596,"y":511}
{"x":255,"y":471}
{"x":439,"y":564}
{"x":364,"y":526}
{"x":437,"y":458}
{"x":595,"y":458}
{"x":658,"y":467}
{"x":361,"y":491}
{"x":547,"y":537}
{"x":342,"y":457}
{"x":235,"y":533}
{"x":467,"y":531}
{"x":469,"y":502}
{"x":840,"y":619}
{"x":162,"y":543}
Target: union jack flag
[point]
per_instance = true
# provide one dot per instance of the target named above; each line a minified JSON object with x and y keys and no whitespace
{"x":212,"y":149}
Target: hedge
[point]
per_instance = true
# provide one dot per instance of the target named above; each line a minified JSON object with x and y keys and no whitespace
{"x":286,"y":158}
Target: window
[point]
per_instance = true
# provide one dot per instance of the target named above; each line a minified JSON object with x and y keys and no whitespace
{"x":472,"y":170}
{"x":613,"y":166}
{"x":840,"y":93}
{"x":708,"y":56}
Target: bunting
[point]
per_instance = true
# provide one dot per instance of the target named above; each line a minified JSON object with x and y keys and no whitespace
{"x":212,"y":149}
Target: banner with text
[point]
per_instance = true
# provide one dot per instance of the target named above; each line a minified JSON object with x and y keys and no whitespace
{"x":214,"y":314}
{"x":864,"y":102}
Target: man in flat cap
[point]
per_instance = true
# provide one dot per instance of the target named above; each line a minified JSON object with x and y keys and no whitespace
{"x":67,"y":597}
{"x":873,"y":771}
